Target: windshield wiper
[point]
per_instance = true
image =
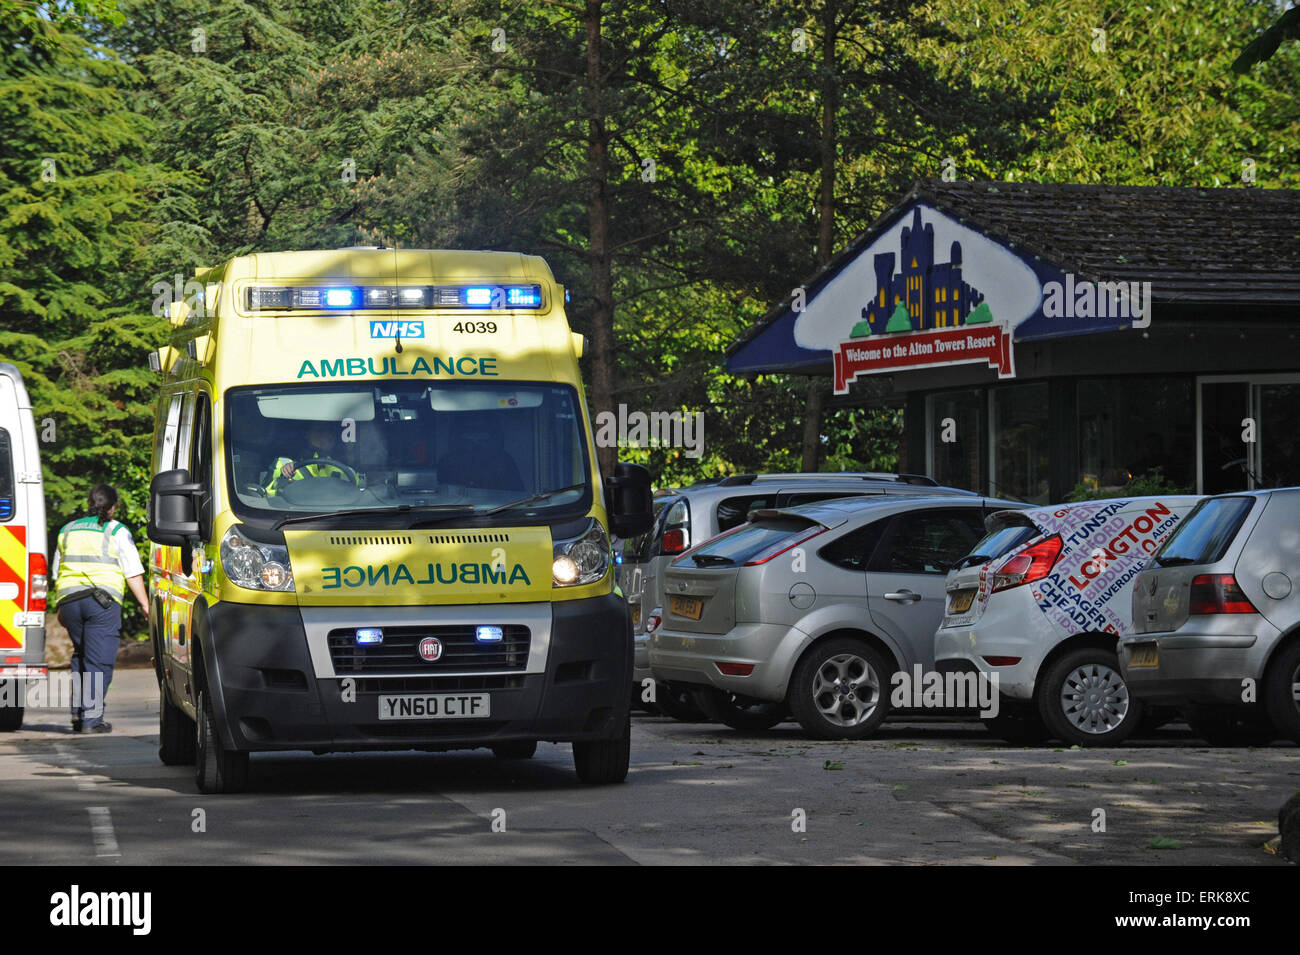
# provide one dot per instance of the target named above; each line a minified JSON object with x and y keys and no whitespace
{"x":1173,"y":561}
{"x":702,"y":560}
{"x":972,"y":560}
{"x":531,"y":499}
{"x":362,"y":511}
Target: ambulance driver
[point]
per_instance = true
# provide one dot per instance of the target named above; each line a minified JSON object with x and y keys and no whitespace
{"x":96,"y":561}
{"x":322,"y":445}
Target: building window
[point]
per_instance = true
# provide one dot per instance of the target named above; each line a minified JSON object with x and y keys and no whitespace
{"x":1134,"y":427}
{"x":1020,"y":441}
{"x":955,"y":438}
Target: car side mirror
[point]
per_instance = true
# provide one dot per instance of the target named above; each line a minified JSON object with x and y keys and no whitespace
{"x":628,"y":500}
{"x":173,"y":512}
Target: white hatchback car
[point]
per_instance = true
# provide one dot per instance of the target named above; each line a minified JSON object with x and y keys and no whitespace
{"x":1042,"y":601}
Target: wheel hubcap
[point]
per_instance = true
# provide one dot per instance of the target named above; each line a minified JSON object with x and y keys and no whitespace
{"x":846,"y":690}
{"x":1094,"y":699}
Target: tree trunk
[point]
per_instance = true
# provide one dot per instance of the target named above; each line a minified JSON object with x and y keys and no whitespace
{"x":812,"y":422}
{"x":604,"y":355}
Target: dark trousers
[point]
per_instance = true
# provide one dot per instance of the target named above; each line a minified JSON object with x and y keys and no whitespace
{"x":95,"y":631}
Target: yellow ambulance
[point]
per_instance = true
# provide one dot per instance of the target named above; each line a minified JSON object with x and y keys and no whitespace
{"x":377,"y":516}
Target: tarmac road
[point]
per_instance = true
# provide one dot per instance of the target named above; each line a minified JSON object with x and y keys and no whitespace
{"x":921,"y":793}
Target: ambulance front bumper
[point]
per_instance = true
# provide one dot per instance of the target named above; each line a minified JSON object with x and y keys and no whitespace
{"x":277,"y":687}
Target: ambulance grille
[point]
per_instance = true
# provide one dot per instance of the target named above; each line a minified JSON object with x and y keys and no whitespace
{"x":460,"y":650}
{"x":358,"y":541}
{"x":469,"y":538}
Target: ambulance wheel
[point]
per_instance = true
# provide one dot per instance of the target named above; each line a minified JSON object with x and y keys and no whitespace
{"x":600,"y":762}
{"x":731,"y":710}
{"x":515,"y":749}
{"x":1084,"y":700}
{"x":176,"y":735}
{"x":216,"y":769}
{"x":11,"y":718}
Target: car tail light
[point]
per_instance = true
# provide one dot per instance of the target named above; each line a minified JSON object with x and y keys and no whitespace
{"x":654,"y":621}
{"x":38,"y":582}
{"x":734,"y":669}
{"x":675,"y":541}
{"x":1032,"y":563}
{"x":1002,"y":661}
{"x":1218,"y":593}
{"x":779,"y":548}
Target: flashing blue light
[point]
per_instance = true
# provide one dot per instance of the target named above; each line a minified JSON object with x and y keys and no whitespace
{"x":525,"y":297}
{"x":370,"y":635}
{"x":488,"y":634}
{"x":478,"y":296}
{"x":339,"y":297}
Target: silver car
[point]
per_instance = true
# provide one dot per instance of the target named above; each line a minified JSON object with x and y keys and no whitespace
{"x":812,"y":610}
{"x":692,"y":515}
{"x":1216,"y":615}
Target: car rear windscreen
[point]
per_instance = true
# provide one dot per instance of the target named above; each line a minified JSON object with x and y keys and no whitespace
{"x":1206,"y":533}
{"x":745,"y":542}
{"x":999,"y":542}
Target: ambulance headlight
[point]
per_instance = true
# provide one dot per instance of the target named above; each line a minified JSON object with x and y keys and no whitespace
{"x":254,"y":565}
{"x":584,"y":559}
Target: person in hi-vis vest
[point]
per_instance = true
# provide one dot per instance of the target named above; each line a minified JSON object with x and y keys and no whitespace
{"x":322,"y":442}
{"x":96,"y":561}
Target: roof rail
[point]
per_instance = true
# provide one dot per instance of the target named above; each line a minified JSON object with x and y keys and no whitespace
{"x":737,"y":480}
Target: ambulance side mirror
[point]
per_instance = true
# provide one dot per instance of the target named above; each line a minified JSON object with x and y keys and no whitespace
{"x":173,"y":515}
{"x":628,"y":500}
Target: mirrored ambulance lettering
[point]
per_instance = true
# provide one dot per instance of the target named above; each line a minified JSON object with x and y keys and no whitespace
{"x":385,"y":576}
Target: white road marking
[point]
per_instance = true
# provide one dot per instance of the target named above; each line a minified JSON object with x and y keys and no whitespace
{"x":101,"y":828}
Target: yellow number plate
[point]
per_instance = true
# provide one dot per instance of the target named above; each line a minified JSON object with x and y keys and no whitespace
{"x":691,"y":607}
{"x":961,"y":601}
{"x":1144,"y":655}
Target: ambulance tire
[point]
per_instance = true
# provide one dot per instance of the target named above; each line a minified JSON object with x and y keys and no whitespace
{"x":1095,"y":686}
{"x":216,"y":769}
{"x":176,"y":735}
{"x":515,"y":749}
{"x":600,"y":762}
{"x":11,"y":718}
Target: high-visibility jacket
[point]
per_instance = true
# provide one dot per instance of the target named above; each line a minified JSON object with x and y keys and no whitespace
{"x":301,"y":466}
{"x":87,"y":558}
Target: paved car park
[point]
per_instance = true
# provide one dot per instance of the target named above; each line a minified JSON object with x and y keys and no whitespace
{"x":923,"y":792}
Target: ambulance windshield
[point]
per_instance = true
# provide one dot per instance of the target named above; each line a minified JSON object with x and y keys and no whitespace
{"x":297,"y":449}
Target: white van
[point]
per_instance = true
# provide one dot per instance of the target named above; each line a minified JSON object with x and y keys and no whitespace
{"x":23,"y":577}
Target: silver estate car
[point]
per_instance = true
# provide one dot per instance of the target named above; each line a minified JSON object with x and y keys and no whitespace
{"x":812,"y":610}
{"x":688,"y":516}
{"x":1216,"y":616}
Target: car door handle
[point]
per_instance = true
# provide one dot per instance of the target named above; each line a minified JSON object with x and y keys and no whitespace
{"x":903,"y":595}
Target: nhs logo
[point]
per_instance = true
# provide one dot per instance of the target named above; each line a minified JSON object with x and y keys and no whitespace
{"x":397,"y":329}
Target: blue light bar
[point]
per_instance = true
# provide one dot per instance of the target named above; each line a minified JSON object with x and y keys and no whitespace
{"x":365,"y":297}
{"x":370,"y":635}
{"x":488,"y":634}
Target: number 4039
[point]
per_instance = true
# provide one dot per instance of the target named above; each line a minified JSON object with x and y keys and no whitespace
{"x":474,"y":327}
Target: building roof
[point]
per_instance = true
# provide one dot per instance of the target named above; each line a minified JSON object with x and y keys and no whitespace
{"x":1196,"y":246}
